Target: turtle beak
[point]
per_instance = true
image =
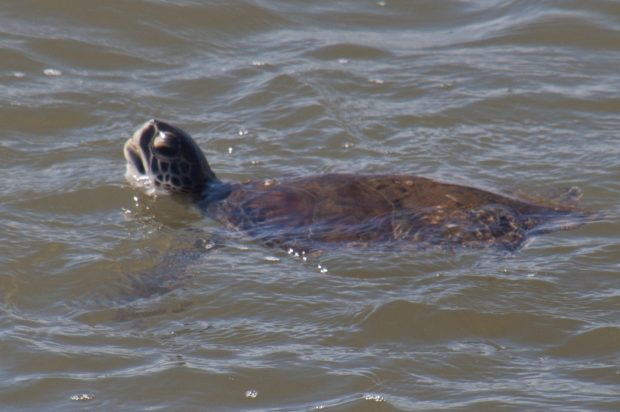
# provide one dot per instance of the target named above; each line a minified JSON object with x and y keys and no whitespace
{"x":135,"y":152}
{"x":134,"y":160}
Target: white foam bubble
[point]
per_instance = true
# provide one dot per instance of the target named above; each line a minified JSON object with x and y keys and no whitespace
{"x":52,"y":72}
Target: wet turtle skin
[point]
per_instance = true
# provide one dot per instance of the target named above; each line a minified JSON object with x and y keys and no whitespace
{"x":315,"y":212}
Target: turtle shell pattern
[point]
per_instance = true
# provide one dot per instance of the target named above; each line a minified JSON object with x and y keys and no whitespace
{"x":306,"y":213}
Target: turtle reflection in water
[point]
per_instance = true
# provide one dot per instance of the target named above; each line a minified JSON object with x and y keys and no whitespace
{"x":316,"y":212}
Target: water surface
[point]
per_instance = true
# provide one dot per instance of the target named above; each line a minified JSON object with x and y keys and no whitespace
{"x":513,"y":96}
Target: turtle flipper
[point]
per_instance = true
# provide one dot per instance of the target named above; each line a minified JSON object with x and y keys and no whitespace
{"x":169,"y":273}
{"x":131,"y":299}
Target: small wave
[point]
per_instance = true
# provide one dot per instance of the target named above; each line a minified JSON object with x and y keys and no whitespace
{"x":601,"y":342}
{"x":403,"y":320}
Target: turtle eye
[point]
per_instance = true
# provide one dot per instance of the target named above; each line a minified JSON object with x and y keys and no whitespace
{"x":166,"y":145}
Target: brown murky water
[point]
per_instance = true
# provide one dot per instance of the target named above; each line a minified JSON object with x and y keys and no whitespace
{"x":514,"y":96}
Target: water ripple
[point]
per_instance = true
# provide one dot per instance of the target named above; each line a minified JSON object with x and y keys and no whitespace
{"x":100,"y":296}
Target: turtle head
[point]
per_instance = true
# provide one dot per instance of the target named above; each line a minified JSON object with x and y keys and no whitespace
{"x":163,"y":158}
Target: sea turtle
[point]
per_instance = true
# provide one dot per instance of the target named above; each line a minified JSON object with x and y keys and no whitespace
{"x":313,"y":213}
